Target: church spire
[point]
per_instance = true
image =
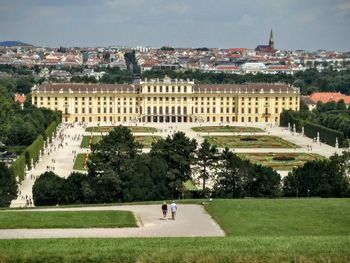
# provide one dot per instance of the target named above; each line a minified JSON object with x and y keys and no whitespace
{"x":271,"y":42}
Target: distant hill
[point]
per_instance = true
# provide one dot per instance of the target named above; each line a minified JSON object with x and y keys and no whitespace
{"x":13,"y":43}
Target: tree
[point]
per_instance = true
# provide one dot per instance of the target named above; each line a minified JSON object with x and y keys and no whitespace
{"x":24,"y":84}
{"x":230,"y":176}
{"x":109,"y":160}
{"x":47,"y":189}
{"x":8,"y":186}
{"x":73,"y":189}
{"x":264,"y":182}
{"x":206,"y":160}
{"x":178,"y":152}
{"x":325,"y":178}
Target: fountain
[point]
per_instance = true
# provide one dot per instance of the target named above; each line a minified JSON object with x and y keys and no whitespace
{"x":302,"y":130}
{"x":318,"y":137}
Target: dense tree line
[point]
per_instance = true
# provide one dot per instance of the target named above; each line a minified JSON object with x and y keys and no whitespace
{"x":119,"y":171}
{"x":21,"y":126}
{"x":308,"y":81}
{"x":325,"y":178}
{"x":332,"y":115}
{"x":8,"y":186}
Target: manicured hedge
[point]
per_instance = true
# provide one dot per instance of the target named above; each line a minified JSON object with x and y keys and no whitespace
{"x":326,"y":135}
{"x":50,"y":131}
{"x":310,"y":129}
{"x":287,"y":116}
{"x":18,"y":166}
{"x":33,"y":151}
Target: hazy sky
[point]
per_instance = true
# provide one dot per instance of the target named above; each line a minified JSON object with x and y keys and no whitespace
{"x":297,"y":24}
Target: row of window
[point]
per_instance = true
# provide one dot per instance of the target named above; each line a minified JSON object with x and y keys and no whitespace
{"x":170,"y":110}
{"x":161,"y":119}
{"x":167,"y":89}
{"x":243,"y":99}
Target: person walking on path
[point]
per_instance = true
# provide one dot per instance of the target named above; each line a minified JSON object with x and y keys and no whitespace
{"x":164,"y":209}
{"x":173,"y":208}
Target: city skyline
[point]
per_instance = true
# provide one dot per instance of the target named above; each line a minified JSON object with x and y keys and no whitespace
{"x":310,"y":25}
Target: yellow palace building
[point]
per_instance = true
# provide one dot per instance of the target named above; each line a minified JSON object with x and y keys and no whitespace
{"x":167,"y":101}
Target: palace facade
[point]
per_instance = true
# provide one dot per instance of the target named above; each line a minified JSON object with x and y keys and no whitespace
{"x":165,"y":101}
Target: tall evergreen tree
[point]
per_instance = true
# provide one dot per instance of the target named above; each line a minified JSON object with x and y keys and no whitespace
{"x":206,"y":160}
{"x":8,"y":186}
{"x":178,"y":152}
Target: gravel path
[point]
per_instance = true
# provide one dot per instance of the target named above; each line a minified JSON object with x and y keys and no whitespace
{"x":191,"y":221}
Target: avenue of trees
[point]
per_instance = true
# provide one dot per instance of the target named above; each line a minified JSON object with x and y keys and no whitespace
{"x":118,"y":171}
{"x":331,"y":119}
{"x":19,"y":130}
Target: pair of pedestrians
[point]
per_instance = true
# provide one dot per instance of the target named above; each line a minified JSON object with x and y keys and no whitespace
{"x":173,"y":209}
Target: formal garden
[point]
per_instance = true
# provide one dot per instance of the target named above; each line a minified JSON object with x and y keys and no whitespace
{"x":226,"y":128}
{"x":109,"y":128}
{"x":146,"y":141}
{"x":281,"y":161}
{"x":250,"y":141}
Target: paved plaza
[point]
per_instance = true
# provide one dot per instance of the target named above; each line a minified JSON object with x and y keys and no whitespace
{"x":191,"y":221}
{"x":61,"y":159}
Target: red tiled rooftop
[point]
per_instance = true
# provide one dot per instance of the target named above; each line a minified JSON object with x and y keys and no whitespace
{"x":329,"y":96}
{"x":20,"y":98}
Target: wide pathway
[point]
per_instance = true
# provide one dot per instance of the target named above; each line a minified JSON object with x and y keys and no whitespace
{"x":191,"y":221}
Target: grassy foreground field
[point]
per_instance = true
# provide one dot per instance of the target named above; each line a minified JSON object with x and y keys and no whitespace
{"x":188,"y":250}
{"x":71,"y":219}
{"x":258,"y":230}
{"x":226,"y":128}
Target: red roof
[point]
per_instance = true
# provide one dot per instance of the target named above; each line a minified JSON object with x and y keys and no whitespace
{"x":238,"y":49}
{"x":20,"y":98}
{"x":329,"y":96}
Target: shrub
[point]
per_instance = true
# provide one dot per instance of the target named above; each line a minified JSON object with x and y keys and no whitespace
{"x":283,"y":158}
{"x":249,"y":139}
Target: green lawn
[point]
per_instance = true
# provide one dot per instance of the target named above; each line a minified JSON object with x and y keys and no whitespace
{"x":132,"y":128}
{"x":250,"y":141}
{"x":226,"y":128}
{"x":64,"y":219}
{"x":258,"y":230}
{"x":79,"y":162}
{"x":282,"y":217}
{"x":267,"y":159}
{"x":146,"y":141}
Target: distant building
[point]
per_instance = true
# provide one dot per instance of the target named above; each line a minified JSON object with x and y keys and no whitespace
{"x":325,"y":97}
{"x":165,"y":101}
{"x":270,"y":48}
{"x":20,"y":98}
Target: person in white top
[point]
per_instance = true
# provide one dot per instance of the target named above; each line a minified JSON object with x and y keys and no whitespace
{"x":173,"y":209}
